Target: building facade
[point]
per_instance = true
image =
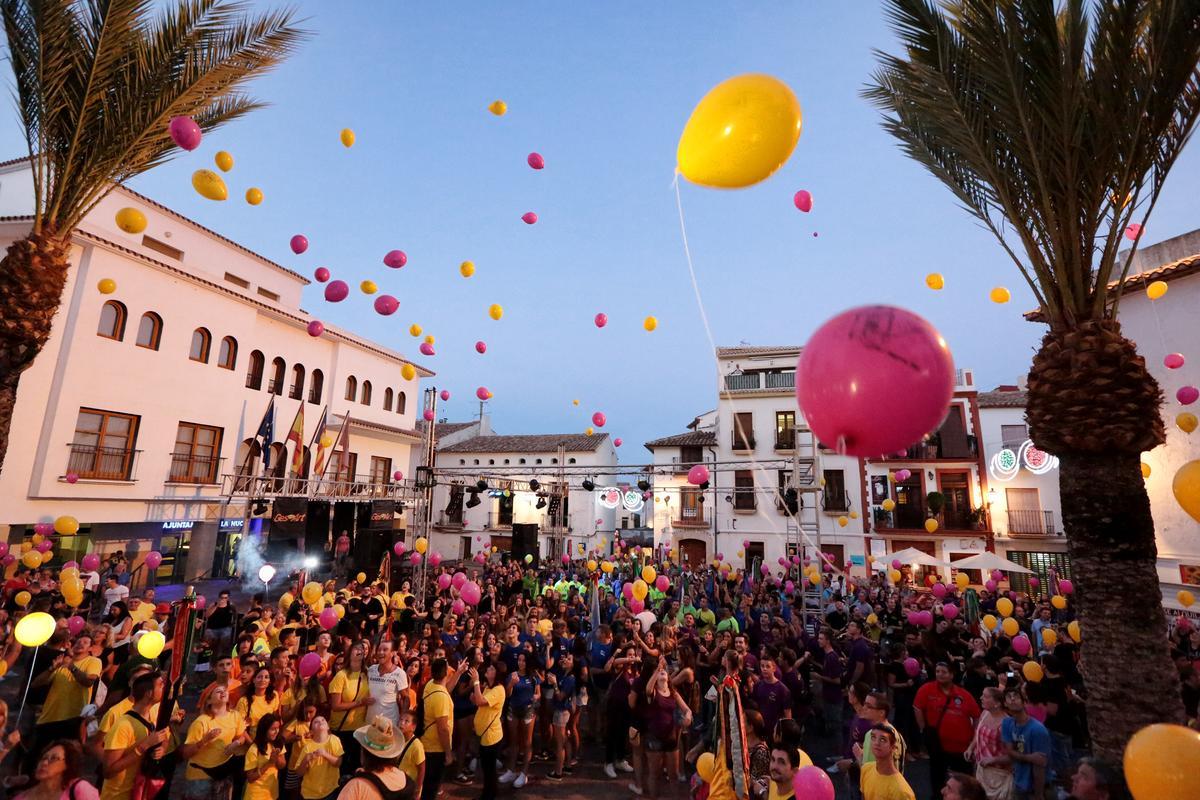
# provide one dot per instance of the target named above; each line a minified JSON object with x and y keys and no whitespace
{"x":140,"y":416}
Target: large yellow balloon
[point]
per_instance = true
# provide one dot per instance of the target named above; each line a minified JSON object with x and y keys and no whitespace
{"x":3,"y":667}
{"x":591,"y":565}
{"x":361,"y":577}
{"x":1073,"y":630}
{"x":648,"y":574}
{"x":1004,"y":606}
{"x":254,"y":195}
{"x":151,"y":644}
{"x":1032,"y":671}
{"x":32,"y":558}
{"x":224,"y":161}
{"x":962,"y":581}
{"x":931,"y":525}
{"x":606,"y":566}
{"x":1185,"y":598}
{"x":740,"y":133}
{"x":34,"y":629}
{"x":368,"y":287}
{"x":1000,"y":295}
{"x":1186,"y":421}
{"x":989,"y":621}
{"x":706,"y":765}
{"x":408,"y":372}
{"x":106,"y":286}
{"x":311,"y":592}
{"x":495,"y":311}
{"x":1187,"y":488}
{"x":894,"y":575}
{"x":421,"y":545}
{"x":1160,"y":762}
{"x":66,"y":526}
{"x":1156,"y":289}
{"x":498,"y":107}
{"x":414,"y":330}
{"x":1049,"y":637}
{"x":340,"y":610}
{"x":1145,"y":470}
{"x":1058,"y":601}
{"x":22,"y":598}
{"x":209,"y":185}
{"x":640,"y":589}
{"x":131,"y":220}
{"x":1010,"y":627}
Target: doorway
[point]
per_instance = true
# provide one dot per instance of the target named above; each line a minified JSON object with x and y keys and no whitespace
{"x":693,"y":552}
{"x":464,"y":547}
{"x":956,"y":513}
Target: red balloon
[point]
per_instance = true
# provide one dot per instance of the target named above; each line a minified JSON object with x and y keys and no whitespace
{"x":185,"y":132}
{"x":336,"y":291}
{"x":803,"y":200}
{"x":310,"y":663}
{"x":697,"y":475}
{"x":598,"y":419}
{"x":445,"y":395}
{"x":529,"y":217}
{"x":481,"y":347}
{"x":536,"y":161}
{"x":617,"y":442}
{"x":299,"y":243}
{"x":395,"y":259}
{"x":316,"y":328}
{"x":482,"y":393}
{"x":1173,"y":360}
{"x":327,"y":619}
{"x":386,"y":305}
{"x":601,"y":320}
{"x":321,"y":274}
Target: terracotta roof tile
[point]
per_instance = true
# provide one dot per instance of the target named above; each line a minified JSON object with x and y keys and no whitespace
{"x":690,"y":439}
{"x":530,"y":443}
{"x":747,"y":350}
{"x":1003,"y":399}
{"x":1172,"y":270}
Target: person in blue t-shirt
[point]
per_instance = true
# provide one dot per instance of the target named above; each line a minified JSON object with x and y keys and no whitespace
{"x":532,"y":636}
{"x":561,"y":682}
{"x":1029,"y":747}
{"x":512,"y":648}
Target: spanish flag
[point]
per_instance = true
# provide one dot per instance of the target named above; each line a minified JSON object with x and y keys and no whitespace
{"x":296,"y":436}
{"x":320,"y":433}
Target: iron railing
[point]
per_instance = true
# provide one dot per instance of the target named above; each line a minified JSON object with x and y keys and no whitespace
{"x":343,"y":486}
{"x":187,"y":468}
{"x":780,"y":380}
{"x":902,"y":517}
{"x":740,"y":442}
{"x":691,"y":517}
{"x":786,"y":439}
{"x":449,"y":520}
{"x":500,"y":519}
{"x":835,"y":500}
{"x":751,"y":381}
{"x":1031,"y":522}
{"x":102,"y":463}
{"x":735,"y":383}
{"x":933,"y":449}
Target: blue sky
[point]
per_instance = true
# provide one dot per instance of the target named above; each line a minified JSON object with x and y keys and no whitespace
{"x":602,"y":91}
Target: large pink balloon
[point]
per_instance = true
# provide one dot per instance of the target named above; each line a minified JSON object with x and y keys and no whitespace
{"x":76,"y":624}
{"x":458,"y":606}
{"x":315,"y":328}
{"x":426,"y":349}
{"x":662,"y":583}
{"x":1066,"y":587}
{"x":811,"y":783}
{"x":618,"y":442}
{"x":310,"y":663}
{"x":536,"y":161}
{"x":471,"y":593}
{"x":321,"y":274}
{"x":3,"y":549}
{"x":395,"y":259}
{"x":91,"y":561}
{"x":185,"y":132}
{"x":415,"y":558}
{"x":481,"y":346}
{"x":697,"y":475}
{"x":949,"y":611}
{"x":636,"y":606}
{"x":386,"y":305}
{"x":398,"y":548}
{"x":1021,"y":645}
{"x":458,"y":580}
{"x":598,"y":419}
{"x":1173,"y":360}
{"x":336,"y":291}
{"x":445,"y":395}
{"x":874,"y":380}
{"x":1186,"y":395}
{"x":443,"y":581}
{"x":912,"y":667}
{"x":299,"y":243}
{"x":201,"y":602}
{"x":939,"y":590}
{"x":44,"y":528}
{"x":328,"y":618}
{"x":153,"y":559}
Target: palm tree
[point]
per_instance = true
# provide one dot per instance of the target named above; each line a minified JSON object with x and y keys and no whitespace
{"x":1055,"y":123}
{"x":96,"y":84}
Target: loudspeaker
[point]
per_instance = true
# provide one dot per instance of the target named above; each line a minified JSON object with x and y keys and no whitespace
{"x":525,"y":542}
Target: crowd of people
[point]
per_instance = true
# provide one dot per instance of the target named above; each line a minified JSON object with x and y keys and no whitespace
{"x":501,"y":673}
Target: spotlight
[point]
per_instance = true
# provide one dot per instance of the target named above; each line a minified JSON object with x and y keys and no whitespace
{"x":644,"y":485}
{"x":541,"y":503}
{"x":473,"y":500}
{"x":260,"y":508}
{"x":588,"y":485}
{"x":310,"y":562}
{"x":704,"y":486}
{"x":481,"y":485}
{"x":533,"y":484}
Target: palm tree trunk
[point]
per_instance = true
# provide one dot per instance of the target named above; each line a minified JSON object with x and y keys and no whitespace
{"x":32,"y":276}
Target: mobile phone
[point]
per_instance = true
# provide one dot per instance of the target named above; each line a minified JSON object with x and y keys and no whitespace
{"x":1011,"y":675}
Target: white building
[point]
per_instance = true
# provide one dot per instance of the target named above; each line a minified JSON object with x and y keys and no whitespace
{"x":490,"y":486}
{"x":145,"y":401}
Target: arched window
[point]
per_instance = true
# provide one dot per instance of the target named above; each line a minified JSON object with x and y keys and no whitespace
{"x":149,"y":331}
{"x":401,"y":402}
{"x":278,"y":368}
{"x":387,"y":399}
{"x":366,"y":393}
{"x":351,"y":388}
{"x":254,"y":375}
{"x":297,"y":391}
{"x":227,"y":355}
{"x":201,"y":344}
{"x":316,"y":387}
{"x":112,"y":321}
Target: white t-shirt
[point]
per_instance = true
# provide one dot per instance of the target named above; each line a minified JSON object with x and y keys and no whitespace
{"x":91,"y":581}
{"x":114,"y":594}
{"x":385,"y":689}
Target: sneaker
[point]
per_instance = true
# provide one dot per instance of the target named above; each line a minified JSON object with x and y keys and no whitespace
{"x":554,"y":776}
{"x":623,"y":766}
{"x":464,"y":778}
{"x":568,"y":769}
{"x":633,"y":787}
{"x":508,"y":777}
{"x":610,"y":771}
{"x":520,"y":781}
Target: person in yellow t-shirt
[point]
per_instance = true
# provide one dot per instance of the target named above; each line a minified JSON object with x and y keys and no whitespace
{"x":413,"y":760}
{"x":320,"y":756}
{"x":264,"y":759}
{"x":213,"y":740}
{"x":350,"y":696}
{"x":489,"y":727}
{"x":259,"y":700}
{"x":784,"y":763}
{"x":71,"y":678}
{"x":130,"y":740}
{"x":140,"y":610}
{"x":439,"y":723}
{"x":880,"y":780}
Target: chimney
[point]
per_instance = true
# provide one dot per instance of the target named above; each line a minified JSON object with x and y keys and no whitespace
{"x":485,"y":424}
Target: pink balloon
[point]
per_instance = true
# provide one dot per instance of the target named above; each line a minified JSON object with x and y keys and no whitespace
{"x":153,"y":559}
{"x":598,"y":419}
{"x":1066,"y":587}
{"x":662,"y":583}
{"x":1187,"y":395}
{"x":443,"y":581}
{"x":1133,"y":231}
{"x":310,"y":663}
{"x":201,"y":603}
{"x":764,"y":569}
{"x":435,"y":558}
{"x":529,"y":218}
{"x":91,"y":561}
{"x":903,"y":474}
{"x":1173,"y":360}
{"x":991,"y":585}
{"x":8,"y":560}
{"x":697,"y":475}
{"x":789,"y":587}
{"x":426,"y":349}
{"x":336,"y":291}
{"x":471,"y":593}
{"x":627,"y":590}
{"x":927,"y":618}
{"x":874,"y":379}
{"x":395,"y":259}
{"x":44,"y":528}
{"x":566,"y":559}
{"x":315,"y":328}
{"x":803,"y":200}
{"x":45,"y":545}
{"x":1034,"y":583}
{"x":896,"y":563}
{"x":299,"y":243}
{"x":781,"y":560}
{"x":949,"y":611}
{"x":647,"y":495}
{"x":536,"y":161}
{"x":458,"y":580}
{"x":481,"y":347}
{"x":745,"y":543}
{"x":398,"y":548}
{"x":1021,"y":645}
{"x":397,"y":475}
{"x":386,"y":305}
{"x":321,"y":274}
{"x":76,"y":624}
{"x":912,"y":667}
{"x":601,"y":320}
{"x":796,"y":560}
{"x":811,"y":783}
{"x":185,"y":132}
{"x":720,"y":556}
{"x":482,"y":393}
{"x":636,"y":606}
{"x":458,"y":606}
{"x":939,"y":590}
{"x":414,"y":558}
{"x":71,"y":565}
{"x":997,"y":575}
{"x":618,"y":442}
{"x":327,"y":618}
{"x":445,"y":395}
{"x":72,"y":477}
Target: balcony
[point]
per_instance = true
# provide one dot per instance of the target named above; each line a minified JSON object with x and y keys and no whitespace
{"x":194,"y":469}
{"x":499,"y":520}
{"x":341,"y":486}
{"x":835,"y":501}
{"x":102,"y":463}
{"x":1031,"y":522}
{"x":275,"y":386}
{"x":752,"y":381}
{"x":785,"y":440}
{"x":906,"y":517}
{"x":744,"y":500}
{"x":448,"y":520}
{"x":744,"y":443}
{"x":690,"y":518}
{"x":933,"y":450}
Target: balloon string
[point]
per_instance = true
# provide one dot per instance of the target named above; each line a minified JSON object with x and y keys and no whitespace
{"x":761,"y":470}
{"x":1153,"y":309}
{"x":29,"y":680}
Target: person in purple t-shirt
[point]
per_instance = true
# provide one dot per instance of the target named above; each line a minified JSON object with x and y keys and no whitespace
{"x":860,"y":661}
{"x":771,"y":695}
{"x":830,"y":677}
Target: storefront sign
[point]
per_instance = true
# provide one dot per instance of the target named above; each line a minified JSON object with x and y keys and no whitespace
{"x":288,"y":517}
{"x":232,"y":524}
{"x":178,"y":525}
{"x":383,"y":512}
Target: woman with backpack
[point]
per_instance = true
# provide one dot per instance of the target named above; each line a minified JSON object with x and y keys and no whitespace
{"x":211,"y":748}
{"x":380,"y":777}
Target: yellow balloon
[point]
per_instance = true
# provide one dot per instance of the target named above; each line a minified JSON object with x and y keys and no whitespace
{"x":888,"y":504}
{"x":495,"y":311}
{"x":1058,"y":601}
{"x":545,"y":626}
{"x":1186,"y":421}
{"x":931,"y":525}
{"x":74,"y":599}
{"x":327,"y":441}
{"x":66,"y":526}
{"x":1160,"y":762}
{"x":414,"y":329}
{"x":68,"y":574}
{"x":1187,"y":488}
{"x":361,"y":577}
{"x":254,"y":196}
{"x":467,"y":268}
{"x":640,"y":589}
{"x":989,"y":621}
{"x":37,"y":538}
{"x":648,"y":574}
{"x":47,"y":556}
{"x":1049,"y":637}
{"x":740,"y":133}
{"x":935,"y":281}
{"x":606,"y":567}
{"x":706,"y":765}
{"x":421,"y":545}
{"x":429,"y":339}
{"x":311,"y":592}
{"x":591,"y":565}
{"x":209,"y":185}
{"x":589,"y":430}
{"x":106,"y":286}
{"x":408,"y":372}
{"x":1000,"y":295}
{"x":131,"y":220}
{"x":339,"y":609}
{"x":1185,"y":598}
{"x":1032,"y":671}
{"x":1156,"y":289}
{"x":498,"y":107}
{"x":3,"y":667}
{"x":741,"y":553}
{"x":1145,"y":470}
{"x":650,"y":323}
{"x":1010,"y":627}
{"x":150,"y":625}
{"x":853,"y":515}
{"x":872,"y":619}
{"x":1073,"y":630}
{"x":1004,"y":606}
{"x":368,"y":287}
{"x":574,"y":402}
{"x":151,"y":644}
{"x":22,"y":598}
{"x":894,"y":575}
{"x":26,"y":547}
{"x":34,"y":629}
{"x":224,"y":161}
{"x":32,"y":558}
{"x":962,"y":580}
{"x":495,"y":549}
{"x":347,"y":137}
{"x":843,"y":522}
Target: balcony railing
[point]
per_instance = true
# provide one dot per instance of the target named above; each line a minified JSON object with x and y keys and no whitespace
{"x":736,"y":383}
{"x":102,"y":463}
{"x":744,"y":500}
{"x":957,"y":520}
{"x":785,"y":440}
{"x":500,"y":519}
{"x":933,"y":450}
{"x":742,"y":442}
{"x":275,"y":386}
{"x":448,"y":520}
{"x":194,"y":469}
{"x":332,"y":486}
{"x":691,"y":518}
{"x":253,"y":380}
{"x":1031,"y":522}
{"x":906,"y":517}
{"x":835,"y":500}
{"x":760,"y":380}
{"x":780,"y":380}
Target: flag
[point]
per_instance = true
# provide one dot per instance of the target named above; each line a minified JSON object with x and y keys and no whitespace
{"x":296,"y":436}
{"x":318,"y":435}
{"x":343,"y":443}
{"x":266,"y":431}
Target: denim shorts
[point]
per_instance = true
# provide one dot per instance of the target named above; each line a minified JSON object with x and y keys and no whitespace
{"x":526,"y":714}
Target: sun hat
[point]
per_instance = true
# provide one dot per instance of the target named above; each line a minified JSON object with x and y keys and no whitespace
{"x":380,"y":739}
